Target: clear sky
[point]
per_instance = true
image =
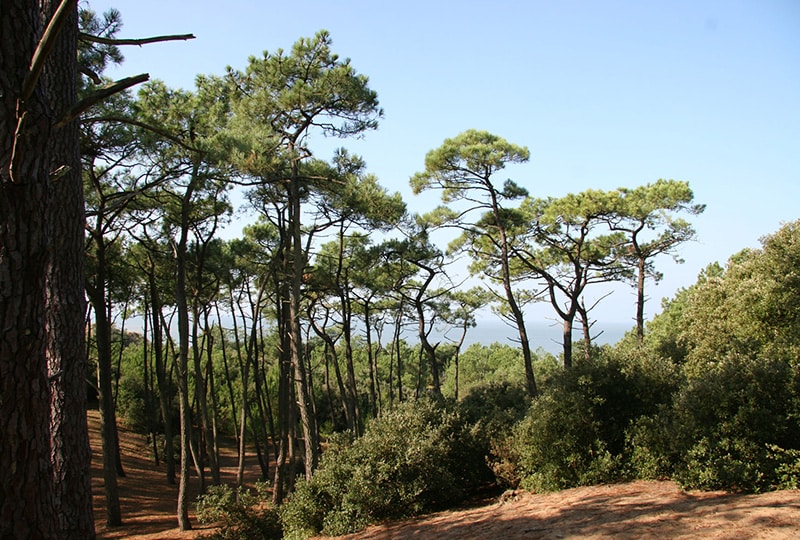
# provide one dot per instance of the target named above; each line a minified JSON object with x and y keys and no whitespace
{"x":603,"y":93}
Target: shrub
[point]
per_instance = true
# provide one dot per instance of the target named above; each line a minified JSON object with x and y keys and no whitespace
{"x":789,"y":467}
{"x":575,"y":432}
{"x":558,"y":444}
{"x":727,"y":419}
{"x":492,"y":410}
{"x":242,"y":514}
{"x":418,"y":457}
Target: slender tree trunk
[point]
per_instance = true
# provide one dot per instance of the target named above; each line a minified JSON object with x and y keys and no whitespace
{"x":244,"y":370}
{"x":640,"y":299}
{"x":297,"y":259}
{"x":105,"y":391}
{"x":374,"y":386}
{"x":351,"y":387}
{"x":429,"y":351}
{"x":331,"y":354}
{"x":522,"y":331}
{"x":457,"y":355}
{"x":117,"y":375}
{"x":567,"y":345}
{"x":516,"y":312}
{"x":183,"y":355}
{"x":397,"y":328}
{"x":278,"y":486}
{"x":228,"y":380}
{"x":212,"y":392}
{"x":201,"y":395}
{"x":259,"y":432}
{"x":148,"y":394}
{"x":328,"y":389}
{"x":164,"y":393}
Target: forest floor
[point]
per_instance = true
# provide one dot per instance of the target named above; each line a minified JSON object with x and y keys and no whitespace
{"x":625,"y":511}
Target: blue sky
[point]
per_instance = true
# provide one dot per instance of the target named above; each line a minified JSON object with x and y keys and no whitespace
{"x":604,"y":94}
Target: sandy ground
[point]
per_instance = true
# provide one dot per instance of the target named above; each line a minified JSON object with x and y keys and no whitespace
{"x":627,"y":511}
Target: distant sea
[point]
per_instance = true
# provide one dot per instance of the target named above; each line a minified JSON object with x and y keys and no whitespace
{"x":544,"y":334}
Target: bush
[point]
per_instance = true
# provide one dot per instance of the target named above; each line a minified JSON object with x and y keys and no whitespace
{"x":418,"y":457}
{"x":241,"y":514}
{"x":492,"y":410}
{"x":558,"y":445}
{"x":727,"y":419}
{"x":575,"y":433}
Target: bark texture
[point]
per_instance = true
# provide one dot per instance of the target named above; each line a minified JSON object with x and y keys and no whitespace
{"x":44,"y":453}
{"x":70,"y":453}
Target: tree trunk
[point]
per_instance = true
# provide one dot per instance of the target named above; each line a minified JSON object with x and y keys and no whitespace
{"x":640,"y":277}
{"x":331,"y":357}
{"x":44,"y":451}
{"x":164,"y":397}
{"x":297,"y":259}
{"x":146,"y":376}
{"x":44,"y":459}
{"x":107,"y":418}
{"x":201,"y":396}
{"x":228,"y":380}
{"x":374,"y":384}
{"x":397,"y":330}
{"x":567,"y":345}
{"x":26,"y":486}
{"x":69,"y":438}
{"x":183,"y":356}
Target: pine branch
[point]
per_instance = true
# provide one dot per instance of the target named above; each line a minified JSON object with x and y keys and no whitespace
{"x":143,"y":125}
{"x":100,"y":95}
{"x":139,"y":42}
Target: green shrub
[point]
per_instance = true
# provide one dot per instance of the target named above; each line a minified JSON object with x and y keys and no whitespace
{"x":652,"y":453}
{"x":492,"y":410}
{"x":727,"y":419}
{"x":418,"y":457}
{"x":575,"y":433}
{"x":788,"y":469}
{"x":242,"y":515}
{"x":558,"y":444}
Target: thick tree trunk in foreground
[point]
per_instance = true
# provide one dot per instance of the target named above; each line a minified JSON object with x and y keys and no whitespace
{"x":44,"y":456}
{"x":66,"y":304}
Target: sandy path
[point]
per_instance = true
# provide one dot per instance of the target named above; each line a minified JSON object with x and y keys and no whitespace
{"x":623,"y":511}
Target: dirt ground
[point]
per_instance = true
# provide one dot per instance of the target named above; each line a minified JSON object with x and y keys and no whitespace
{"x":625,"y":511}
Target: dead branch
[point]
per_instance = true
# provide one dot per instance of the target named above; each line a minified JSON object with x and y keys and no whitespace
{"x":99,"y":95}
{"x":139,"y":42}
{"x":91,"y":74}
{"x":44,"y":47}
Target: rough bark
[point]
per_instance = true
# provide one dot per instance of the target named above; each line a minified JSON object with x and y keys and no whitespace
{"x":44,"y":489}
{"x":66,"y":306}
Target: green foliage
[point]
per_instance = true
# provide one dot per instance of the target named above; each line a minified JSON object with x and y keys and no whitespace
{"x":735,"y":422}
{"x":494,"y":364}
{"x":788,"y":470}
{"x":418,"y":457}
{"x":575,"y":432}
{"x":559,"y":444}
{"x":492,"y":410}
{"x":724,"y":422}
{"x":241,"y":514}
